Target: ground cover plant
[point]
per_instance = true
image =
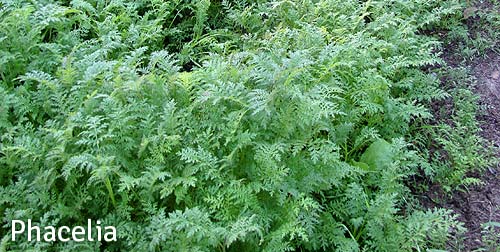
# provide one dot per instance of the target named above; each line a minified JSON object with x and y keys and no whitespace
{"x":228,"y":125}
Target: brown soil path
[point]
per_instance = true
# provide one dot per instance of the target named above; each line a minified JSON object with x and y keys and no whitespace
{"x":481,"y":204}
{"x":478,"y":204}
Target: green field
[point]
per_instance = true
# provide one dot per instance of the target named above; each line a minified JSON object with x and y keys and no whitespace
{"x":238,"y":125}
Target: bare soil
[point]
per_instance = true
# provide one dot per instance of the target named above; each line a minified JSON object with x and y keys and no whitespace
{"x":482,"y":204}
{"x":477,"y":205}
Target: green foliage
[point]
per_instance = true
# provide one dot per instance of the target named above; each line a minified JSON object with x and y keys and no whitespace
{"x":491,"y":237}
{"x":474,"y":32}
{"x":219,"y":125}
{"x":455,"y":144}
{"x":453,"y":140}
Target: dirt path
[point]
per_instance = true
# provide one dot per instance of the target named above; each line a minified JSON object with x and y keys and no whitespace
{"x":477,"y":205}
{"x":481,"y":204}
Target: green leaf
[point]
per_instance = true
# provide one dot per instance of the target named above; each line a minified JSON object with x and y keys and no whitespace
{"x":378,"y":155}
{"x":362,"y":165}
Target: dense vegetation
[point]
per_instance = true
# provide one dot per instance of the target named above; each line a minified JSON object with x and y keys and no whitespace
{"x":229,"y":125}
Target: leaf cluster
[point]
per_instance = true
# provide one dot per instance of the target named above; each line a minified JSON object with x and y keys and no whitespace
{"x":219,"y":125}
